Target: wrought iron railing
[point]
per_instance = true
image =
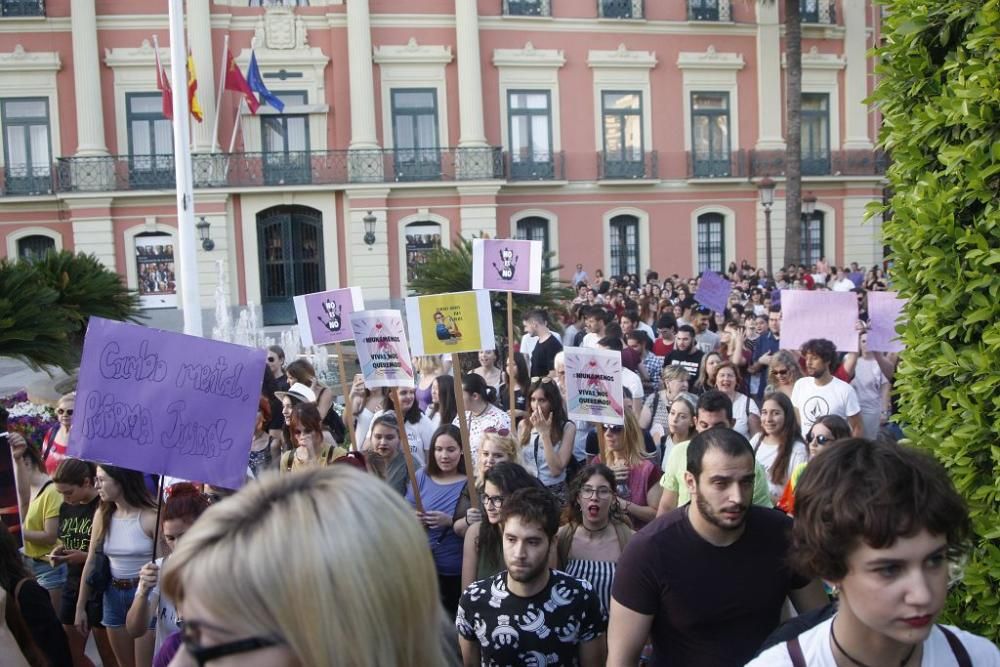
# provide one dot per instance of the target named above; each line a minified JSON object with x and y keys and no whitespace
{"x":627,"y":166}
{"x":527,"y":8}
{"x":833,"y":163}
{"x":710,"y":10}
{"x":27,"y":180}
{"x":731,"y":164}
{"x":535,"y":166}
{"x":621,"y":9}
{"x":818,"y":11}
{"x":22,"y":7}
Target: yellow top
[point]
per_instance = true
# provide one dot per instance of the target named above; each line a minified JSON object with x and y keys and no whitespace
{"x":43,"y":507}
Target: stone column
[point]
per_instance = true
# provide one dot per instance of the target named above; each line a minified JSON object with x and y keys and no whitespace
{"x":87,"y":80}
{"x":470,"y":75}
{"x":200,"y":41}
{"x":855,"y":79}
{"x":364,"y":163}
{"x":770,"y":109}
{"x":478,"y":210}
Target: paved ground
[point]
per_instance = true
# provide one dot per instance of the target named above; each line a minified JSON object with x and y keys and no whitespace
{"x":16,"y":375}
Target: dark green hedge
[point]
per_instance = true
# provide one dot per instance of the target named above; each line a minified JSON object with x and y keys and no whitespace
{"x":939,"y":91}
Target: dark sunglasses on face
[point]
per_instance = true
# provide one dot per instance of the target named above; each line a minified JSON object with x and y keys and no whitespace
{"x":782,"y":372}
{"x":62,"y":411}
{"x":820,"y":440}
{"x":271,"y":360}
{"x":191,"y":637}
{"x":612,"y":428}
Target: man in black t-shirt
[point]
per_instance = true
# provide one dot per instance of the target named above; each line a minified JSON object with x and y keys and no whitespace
{"x":529,"y":614}
{"x":707,"y":581}
{"x":543,"y":356}
{"x":685,"y":354}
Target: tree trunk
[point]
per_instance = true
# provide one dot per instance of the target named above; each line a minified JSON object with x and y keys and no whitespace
{"x":793,"y":130}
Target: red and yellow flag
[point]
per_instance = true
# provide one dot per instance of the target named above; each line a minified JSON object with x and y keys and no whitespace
{"x":192,"y":79}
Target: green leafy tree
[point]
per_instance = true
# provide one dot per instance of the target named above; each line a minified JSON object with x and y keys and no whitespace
{"x":33,"y":328}
{"x":938,"y":92}
{"x":450,"y":270}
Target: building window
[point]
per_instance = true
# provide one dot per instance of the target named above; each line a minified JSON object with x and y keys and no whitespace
{"x":711,"y":242}
{"x":530,"y":126}
{"x":535,"y":229}
{"x":622,"y":124}
{"x":811,"y":242}
{"x":624,"y":245}
{"x":285,"y":143}
{"x":705,"y":10}
{"x":815,"y":134}
{"x":35,"y":247}
{"x":22,"y":8}
{"x":710,"y":134}
{"x":150,"y":142}
{"x":26,"y":153}
{"x":422,"y":238}
{"x":417,"y":151}
{"x":527,"y":8}
{"x":620,"y":9}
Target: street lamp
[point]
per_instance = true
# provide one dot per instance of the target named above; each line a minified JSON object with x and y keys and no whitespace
{"x":207,"y":243}
{"x":369,"y":222}
{"x":808,"y":208}
{"x":766,"y":189}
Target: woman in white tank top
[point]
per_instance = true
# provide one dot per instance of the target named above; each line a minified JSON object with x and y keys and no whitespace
{"x":123,"y":529}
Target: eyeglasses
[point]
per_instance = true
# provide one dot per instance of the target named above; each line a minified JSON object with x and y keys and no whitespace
{"x":496,"y":502}
{"x":62,"y":411}
{"x":191,"y":636}
{"x":503,"y":432}
{"x":588,"y":492}
{"x":613,"y":428}
{"x":820,"y":439}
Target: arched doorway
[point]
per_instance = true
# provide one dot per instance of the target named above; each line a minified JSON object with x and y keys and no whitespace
{"x":290,"y":247}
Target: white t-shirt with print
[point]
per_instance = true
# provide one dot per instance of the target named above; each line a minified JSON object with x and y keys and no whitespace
{"x":816,"y":650}
{"x":766,"y":455}
{"x":812,"y":401}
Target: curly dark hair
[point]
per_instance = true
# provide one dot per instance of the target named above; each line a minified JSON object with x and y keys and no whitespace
{"x":535,"y":505}
{"x":822,"y":348}
{"x":862,"y":491}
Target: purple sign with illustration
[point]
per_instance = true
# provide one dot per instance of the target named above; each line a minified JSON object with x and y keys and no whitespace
{"x":166,"y":403}
{"x":324,"y":317}
{"x":884,"y":309}
{"x":507,"y":265}
{"x":713,"y":291}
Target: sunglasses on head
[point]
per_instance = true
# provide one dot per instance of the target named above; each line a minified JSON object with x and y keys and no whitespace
{"x":541,"y":379}
{"x":503,"y":432}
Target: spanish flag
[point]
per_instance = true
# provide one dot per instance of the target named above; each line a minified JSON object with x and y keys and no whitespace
{"x":193,"y":105}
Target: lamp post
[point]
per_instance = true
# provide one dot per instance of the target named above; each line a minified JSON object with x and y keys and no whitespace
{"x":207,"y":244}
{"x":766,"y":189}
{"x":808,"y":208}
{"x":369,"y":223}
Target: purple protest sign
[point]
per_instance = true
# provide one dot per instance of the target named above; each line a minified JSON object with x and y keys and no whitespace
{"x":713,"y":291}
{"x":507,"y":265}
{"x":884,"y":309}
{"x":323,"y":316}
{"x":166,"y":403}
{"x":809,"y":314}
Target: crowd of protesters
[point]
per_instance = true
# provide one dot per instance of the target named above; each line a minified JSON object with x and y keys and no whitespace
{"x":756,"y":507}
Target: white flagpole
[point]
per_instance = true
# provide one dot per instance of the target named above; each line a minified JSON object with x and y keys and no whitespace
{"x":186,"y":233}
{"x":221,"y":82}
{"x":236,"y":124}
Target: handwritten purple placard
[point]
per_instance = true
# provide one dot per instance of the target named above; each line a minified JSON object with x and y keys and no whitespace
{"x":507,"y":265}
{"x":713,"y":291}
{"x":166,"y":403}
{"x":807,"y":314}
{"x":324,"y":317}
{"x":884,"y":309}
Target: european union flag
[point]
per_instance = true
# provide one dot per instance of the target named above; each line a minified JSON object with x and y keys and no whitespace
{"x":256,"y":82}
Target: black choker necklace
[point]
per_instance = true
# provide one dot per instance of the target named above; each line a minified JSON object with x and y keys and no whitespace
{"x":596,"y":530}
{"x":857,"y":662}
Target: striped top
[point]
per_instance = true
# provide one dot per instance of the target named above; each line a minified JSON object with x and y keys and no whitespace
{"x":599,"y":573}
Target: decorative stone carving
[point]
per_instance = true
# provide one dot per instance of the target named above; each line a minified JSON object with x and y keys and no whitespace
{"x":622,"y":57}
{"x":281,"y":30}
{"x":20,"y":59}
{"x":710,"y":59}
{"x":529,"y":56}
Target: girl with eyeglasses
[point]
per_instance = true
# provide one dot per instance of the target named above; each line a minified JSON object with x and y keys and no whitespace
{"x":778,"y":447}
{"x":482,"y":552}
{"x":637,"y":487}
{"x":595,"y":533}
{"x":826,"y":430}
{"x":783,"y":372}
{"x":497,"y":447}
{"x":547,"y":437}
{"x":57,"y":438}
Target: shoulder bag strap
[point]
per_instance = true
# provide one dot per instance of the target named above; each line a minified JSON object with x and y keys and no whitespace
{"x":563,"y":546}
{"x":795,"y":652}
{"x":957,"y":647}
{"x":49,"y":441}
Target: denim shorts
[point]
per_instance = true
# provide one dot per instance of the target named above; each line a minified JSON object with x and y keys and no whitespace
{"x":116,"y":605}
{"x":48,"y":577}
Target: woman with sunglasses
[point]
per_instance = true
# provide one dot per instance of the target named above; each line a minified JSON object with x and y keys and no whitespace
{"x":883,"y":524}
{"x":480,"y":411}
{"x":360,"y":593}
{"x":826,"y":430}
{"x":275,"y":380}
{"x":441,"y":484}
{"x":783,"y":372}
{"x":637,"y":487}
{"x":56,"y":439}
{"x":497,"y":447}
{"x":778,"y":447}
{"x":307,"y":435}
{"x":547,"y":436}
{"x":302,"y":372}
{"x":482,"y":552}
{"x":595,"y":532}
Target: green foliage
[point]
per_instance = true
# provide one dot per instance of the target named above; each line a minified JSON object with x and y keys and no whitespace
{"x":450,"y":270}
{"x":32,"y":327}
{"x":939,"y":95}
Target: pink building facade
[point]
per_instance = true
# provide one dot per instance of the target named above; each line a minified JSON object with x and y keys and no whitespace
{"x":626,"y":135}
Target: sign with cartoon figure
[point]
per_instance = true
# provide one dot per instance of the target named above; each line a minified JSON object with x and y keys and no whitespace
{"x":384,"y":357}
{"x":507,"y":265}
{"x":323,"y":316}
{"x":594,"y":385}
{"x":447,"y":323}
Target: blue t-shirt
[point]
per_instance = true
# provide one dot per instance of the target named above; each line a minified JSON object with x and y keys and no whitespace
{"x":446,"y":546}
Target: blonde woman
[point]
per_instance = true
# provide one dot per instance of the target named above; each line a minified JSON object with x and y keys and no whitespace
{"x":381,"y":611}
{"x":497,"y":447}
{"x":783,"y":371}
{"x":57,"y":438}
{"x":637,"y":491}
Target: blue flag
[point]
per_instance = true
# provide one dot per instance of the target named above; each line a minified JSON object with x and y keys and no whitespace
{"x":256,"y":82}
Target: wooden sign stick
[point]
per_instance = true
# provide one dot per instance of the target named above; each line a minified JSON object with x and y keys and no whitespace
{"x":463,"y":425}
{"x":411,"y":469}
{"x":345,"y":387}
{"x":511,"y":379}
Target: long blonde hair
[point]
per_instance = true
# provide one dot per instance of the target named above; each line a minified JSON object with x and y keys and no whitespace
{"x":329,"y":560}
{"x":634,"y":451}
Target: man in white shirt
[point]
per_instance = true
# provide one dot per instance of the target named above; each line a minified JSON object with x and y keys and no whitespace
{"x":594,"y":320}
{"x":580,"y":276}
{"x":841,"y":283}
{"x":819,"y":393}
